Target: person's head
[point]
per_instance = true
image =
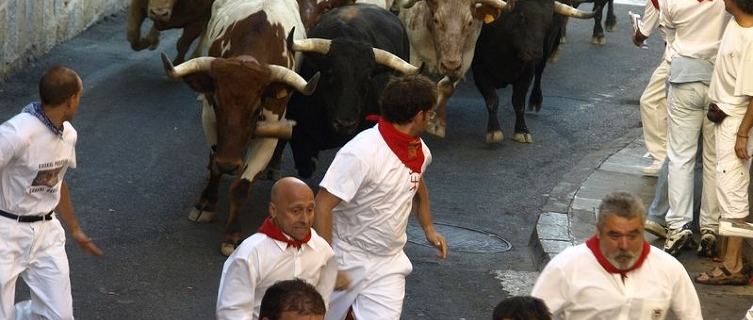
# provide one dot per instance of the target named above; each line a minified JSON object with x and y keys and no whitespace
{"x":61,"y":87}
{"x":292,"y":300}
{"x":521,"y":308}
{"x":405,"y":97}
{"x":292,"y":207}
{"x":745,"y":6}
{"x":619,"y":227}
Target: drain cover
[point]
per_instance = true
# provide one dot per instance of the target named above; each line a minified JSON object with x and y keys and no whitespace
{"x":460,"y":239}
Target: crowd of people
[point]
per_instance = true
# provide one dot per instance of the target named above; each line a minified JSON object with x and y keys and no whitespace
{"x":338,"y":254}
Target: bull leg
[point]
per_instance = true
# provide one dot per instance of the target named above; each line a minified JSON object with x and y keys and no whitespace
{"x":536,"y":99}
{"x":598,"y":33}
{"x":611,"y":24}
{"x":445,"y":88}
{"x":204,"y":210}
{"x":273,"y":169}
{"x":190,"y":33}
{"x":231,"y":237}
{"x":493,"y":131}
{"x":136,"y":17}
{"x":152,"y":38}
{"x":519,"y":90}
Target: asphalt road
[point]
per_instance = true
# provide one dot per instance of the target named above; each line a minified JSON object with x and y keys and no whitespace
{"x":142,"y":158}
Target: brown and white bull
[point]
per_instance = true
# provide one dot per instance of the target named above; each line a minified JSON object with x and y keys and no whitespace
{"x":443,"y":36}
{"x":245,"y":84}
{"x":190,"y":15}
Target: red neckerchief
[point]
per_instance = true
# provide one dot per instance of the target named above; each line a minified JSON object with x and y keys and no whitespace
{"x":656,"y":3}
{"x":405,"y":147}
{"x":593,"y":244}
{"x":273,"y":232}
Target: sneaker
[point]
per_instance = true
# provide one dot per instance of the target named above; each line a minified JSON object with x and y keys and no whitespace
{"x":677,"y":239}
{"x":707,"y":248}
{"x":653,"y":169}
{"x":656,"y":229}
{"x":735,"y":228}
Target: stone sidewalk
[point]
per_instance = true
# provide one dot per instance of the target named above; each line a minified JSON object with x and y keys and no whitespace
{"x":568,"y":218}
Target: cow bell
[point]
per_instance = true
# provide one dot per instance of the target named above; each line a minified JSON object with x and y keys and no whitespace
{"x":282,"y":129}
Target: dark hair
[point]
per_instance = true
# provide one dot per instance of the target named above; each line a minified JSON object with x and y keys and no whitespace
{"x":291,"y":295}
{"x":746,"y":6}
{"x":405,"y":96}
{"x":521,"y":308}
{"x":57,"y":85}
{"x":622,"y":204}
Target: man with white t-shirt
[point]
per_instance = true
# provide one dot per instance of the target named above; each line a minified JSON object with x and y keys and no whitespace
{"x":284,"y":248}
{"x":616,"y":274}
{"x":731,"y":93}
{"x":366,"y":197}
{"x":37,"y":147}
{"x":698,"y":28}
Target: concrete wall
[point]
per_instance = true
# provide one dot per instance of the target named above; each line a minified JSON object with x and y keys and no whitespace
{"x":30,"y":28}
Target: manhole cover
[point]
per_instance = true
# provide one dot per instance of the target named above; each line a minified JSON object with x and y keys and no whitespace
{"x":460,"y":239}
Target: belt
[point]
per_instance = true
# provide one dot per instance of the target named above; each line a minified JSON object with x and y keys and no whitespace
{"x":18,"y":218}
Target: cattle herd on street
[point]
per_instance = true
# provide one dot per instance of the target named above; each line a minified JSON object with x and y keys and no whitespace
{"x":308,"y":73}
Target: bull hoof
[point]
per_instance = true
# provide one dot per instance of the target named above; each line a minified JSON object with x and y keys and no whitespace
{"x":611,"y":27}
{"x":522,"y":138}
{"x":227,"y":249}
{"x":554,"y":57}
{"x":197,"y":215}
{"x":600,"y":41}
{"x":436,"y":128}
{"x":494,"y":136}
{"x":563,"y":40}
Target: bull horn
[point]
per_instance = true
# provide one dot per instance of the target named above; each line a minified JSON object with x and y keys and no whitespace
{"x":409,"y":3}
{"x":499,"y":4}
{"x":311,"y":45}
{"x":569,"y":11}
{"x":290,"y":77}
{"x":282,"y":129}
{"x":387,"y":58}
{"x":200,"y":64}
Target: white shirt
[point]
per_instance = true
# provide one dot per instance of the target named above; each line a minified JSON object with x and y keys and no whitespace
{"x":33,"y":162}
{"x":698,"y":26}
{"x":732,"y":81}
{"x":576,"y":287}
{"x":260,"y":261}
{"x":376,"y":190}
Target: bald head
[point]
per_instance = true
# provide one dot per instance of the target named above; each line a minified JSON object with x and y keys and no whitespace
{"x":292,"y":207}
{"x":58,"y":84}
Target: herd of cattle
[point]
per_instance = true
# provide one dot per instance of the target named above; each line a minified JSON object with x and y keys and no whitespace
{"x":338,"y":56}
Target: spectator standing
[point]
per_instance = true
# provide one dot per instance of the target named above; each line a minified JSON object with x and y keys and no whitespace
{"x":732,"y":107}
{"x":366,"y":197}
{"x":285,"y":247}
{"x":616,"y":274}
{"x":698,"y":28}
{"x":37,"y":147}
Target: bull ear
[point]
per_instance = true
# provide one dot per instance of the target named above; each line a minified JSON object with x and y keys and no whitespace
{"x":486,"y":13}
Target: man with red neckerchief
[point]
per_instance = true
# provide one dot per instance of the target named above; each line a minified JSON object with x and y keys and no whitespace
{"x":616,"y":274}
{"x":284,"y":248}
{"x":366,"y":197}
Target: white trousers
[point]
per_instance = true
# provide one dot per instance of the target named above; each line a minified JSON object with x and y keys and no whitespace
{"x":687,"y":105}
{"x":732,"y":173}
{"x":654,"y":113}
{"x":377,"y":284}
{"x":36,"y":252}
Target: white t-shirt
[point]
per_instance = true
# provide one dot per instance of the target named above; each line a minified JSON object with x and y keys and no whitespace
{"x":576,"y":287}
{"x":33,"y":162}
{"x":260,"y":261}
{"x":698,"y":26}
{"x":376,"y":190}
{"x":732,"y":81}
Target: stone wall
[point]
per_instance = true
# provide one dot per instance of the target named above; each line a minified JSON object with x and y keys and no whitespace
{"x":30,"y":28}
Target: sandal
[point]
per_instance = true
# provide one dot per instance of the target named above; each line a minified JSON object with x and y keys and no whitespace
{"x":725,"y":278}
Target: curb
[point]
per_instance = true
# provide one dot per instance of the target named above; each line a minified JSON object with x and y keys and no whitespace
{"x":557,"y":220}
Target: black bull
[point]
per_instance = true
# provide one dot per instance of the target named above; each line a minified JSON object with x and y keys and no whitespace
{"x":356,"y":49}
{"x":513,"y":50}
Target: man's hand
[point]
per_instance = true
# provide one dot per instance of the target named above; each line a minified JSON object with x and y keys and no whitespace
{"x":343,"y":281}
{"x":85,"y":243}
{"x":439,"y":242}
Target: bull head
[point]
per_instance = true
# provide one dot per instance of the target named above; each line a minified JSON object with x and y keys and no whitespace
{"x":237,"y":91}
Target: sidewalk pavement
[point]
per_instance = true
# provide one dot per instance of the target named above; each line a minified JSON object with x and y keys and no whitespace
{"x":568,"y":218}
